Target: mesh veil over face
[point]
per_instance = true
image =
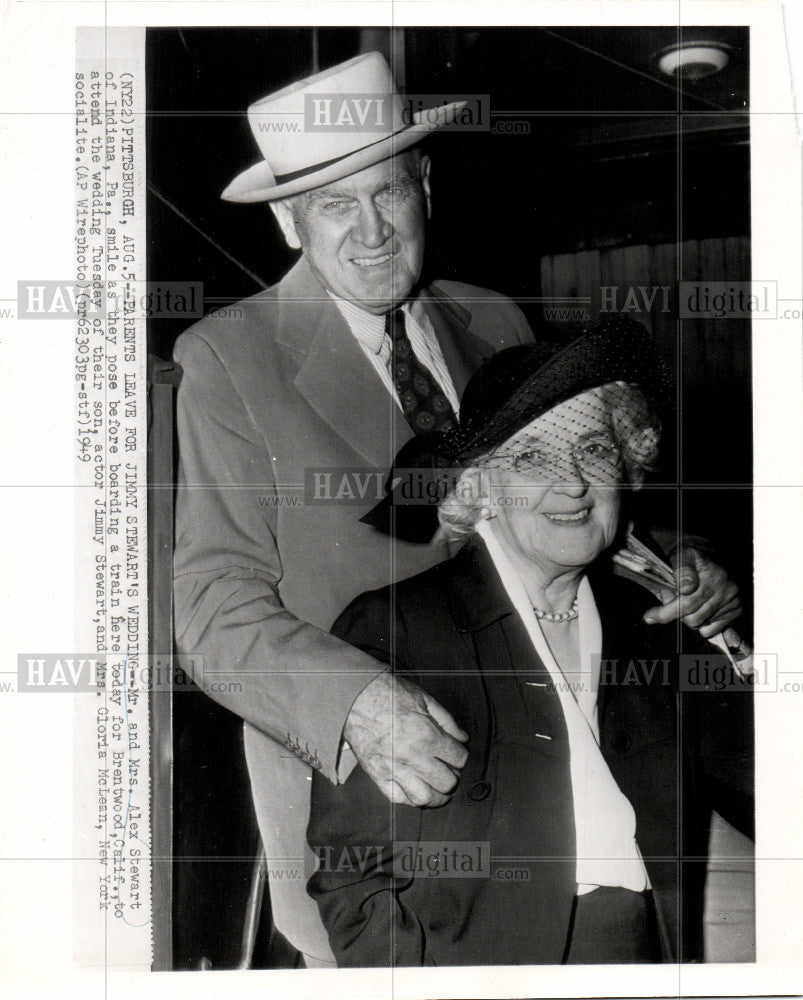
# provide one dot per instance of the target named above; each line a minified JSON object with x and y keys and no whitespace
{"x":546,"y":413}
{"x":602,"y":437}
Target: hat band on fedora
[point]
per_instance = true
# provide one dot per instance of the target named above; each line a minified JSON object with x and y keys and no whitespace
{"x":295,"y":175}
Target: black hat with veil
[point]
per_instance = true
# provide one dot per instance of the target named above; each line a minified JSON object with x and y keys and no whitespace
{"x":613,"y":361}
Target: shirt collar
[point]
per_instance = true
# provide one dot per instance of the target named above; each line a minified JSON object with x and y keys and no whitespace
{"x":368,"y":328}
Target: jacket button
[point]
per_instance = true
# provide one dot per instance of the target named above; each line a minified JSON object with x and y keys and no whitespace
{"x":621,"y":742}
{"x":479,"y":790}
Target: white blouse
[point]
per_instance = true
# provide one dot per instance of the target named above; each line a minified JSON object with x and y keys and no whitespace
{"x":605,"y":823}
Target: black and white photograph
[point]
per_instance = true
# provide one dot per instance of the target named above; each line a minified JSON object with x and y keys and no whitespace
{"x":490,"y":260}
{"x":412,"y":454}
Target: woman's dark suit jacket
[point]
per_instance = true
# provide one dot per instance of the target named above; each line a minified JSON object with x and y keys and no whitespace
{"x":453,"y":631}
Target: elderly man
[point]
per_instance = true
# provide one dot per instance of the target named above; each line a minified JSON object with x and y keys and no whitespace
{"x":327,"y":374}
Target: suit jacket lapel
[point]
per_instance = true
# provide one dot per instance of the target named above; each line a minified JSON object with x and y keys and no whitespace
{"x":462,"y":350}
{"x":334,"y":375}
{"x":334,"y":372}
{"x":480,"y":606}
{"x":624,"y":634}
{"x":611,"y":640}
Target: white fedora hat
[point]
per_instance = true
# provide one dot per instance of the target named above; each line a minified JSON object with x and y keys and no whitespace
{"x":328,"y":126}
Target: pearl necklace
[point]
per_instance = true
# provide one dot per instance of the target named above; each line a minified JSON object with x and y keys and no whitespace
{"x":557,"y":616}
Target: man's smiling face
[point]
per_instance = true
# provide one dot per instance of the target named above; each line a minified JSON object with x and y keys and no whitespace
{"x":363,"y":236}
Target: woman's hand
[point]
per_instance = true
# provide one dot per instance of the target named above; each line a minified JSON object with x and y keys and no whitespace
{"x":707,"y":599}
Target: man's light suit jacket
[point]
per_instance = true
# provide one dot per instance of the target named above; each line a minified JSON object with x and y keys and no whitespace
{"x":268,"y":402}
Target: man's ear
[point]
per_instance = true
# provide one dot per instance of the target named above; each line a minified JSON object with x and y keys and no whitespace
{"x":284,"y":216}
{"x":426,"y":166}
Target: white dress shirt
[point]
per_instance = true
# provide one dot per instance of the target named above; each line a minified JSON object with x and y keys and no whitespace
{"x":369,"y":330}
{"x":605,"y":823}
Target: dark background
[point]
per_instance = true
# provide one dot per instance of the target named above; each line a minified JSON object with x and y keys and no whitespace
{"x":621,"y":165}
{"x":617,"y":155}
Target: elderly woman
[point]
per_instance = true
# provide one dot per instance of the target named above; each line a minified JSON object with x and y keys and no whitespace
{"x":567,"y":837}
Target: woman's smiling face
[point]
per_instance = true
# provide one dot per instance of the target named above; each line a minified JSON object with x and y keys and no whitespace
{"x":556,"y":486}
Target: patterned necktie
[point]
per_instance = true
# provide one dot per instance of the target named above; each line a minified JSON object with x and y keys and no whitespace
{"x":423,"y":401}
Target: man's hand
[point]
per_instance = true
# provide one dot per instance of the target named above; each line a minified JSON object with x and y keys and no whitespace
{"x":707,"y":599}
{"x":406,"y":742}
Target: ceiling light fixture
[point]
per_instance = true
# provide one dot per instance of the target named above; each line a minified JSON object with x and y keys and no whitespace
{"x":693,"y":60}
